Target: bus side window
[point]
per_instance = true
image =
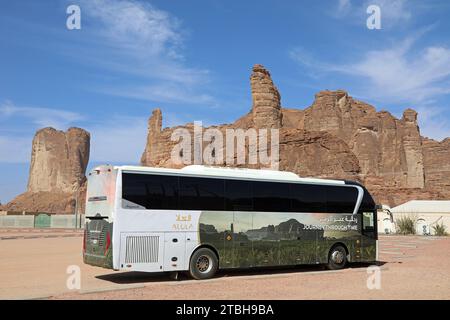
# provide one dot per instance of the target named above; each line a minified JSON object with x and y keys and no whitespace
{"x":201,"y":193}
{"x":308,"y":198}
{"x":341,"y":199}
{"x":238,"y":195}
{"x":150,"y":191}
{"x":271,"y":197}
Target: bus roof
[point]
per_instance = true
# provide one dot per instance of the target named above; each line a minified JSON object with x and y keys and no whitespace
{"x":212,"y":171}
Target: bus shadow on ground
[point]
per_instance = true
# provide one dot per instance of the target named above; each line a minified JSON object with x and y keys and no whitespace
{"x":142,"y":277}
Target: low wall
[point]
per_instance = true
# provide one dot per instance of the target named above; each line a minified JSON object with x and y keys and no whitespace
{"x":62,"y":222}
{"x":16,"y":221}
{"x":40,"y":220}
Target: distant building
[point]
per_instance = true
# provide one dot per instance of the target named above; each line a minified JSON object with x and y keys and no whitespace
{"x":427,"y":213}
{"x":386,"y":222}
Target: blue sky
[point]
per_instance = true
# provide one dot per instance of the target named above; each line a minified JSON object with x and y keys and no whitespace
{"x":193,"y":60}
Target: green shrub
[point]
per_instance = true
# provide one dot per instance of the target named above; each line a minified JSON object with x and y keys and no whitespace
{"x":440,"y":230}
{"x":406,"y":225}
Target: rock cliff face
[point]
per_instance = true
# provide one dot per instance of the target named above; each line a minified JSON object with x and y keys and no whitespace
{"x":57,"y":172}
{"x":386,"y":147}
{"x":437,"y":165}
{"x":336,"y":137}
{"x":58,"y":160}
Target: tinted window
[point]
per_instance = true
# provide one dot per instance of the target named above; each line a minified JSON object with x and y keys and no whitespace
{"x":149,"y":191}
{"x":238,"y":195}
{"x":308,"y":198}
{"x":367,"y":203}
{"x":341,"y":199}
{"x":270,"y":196}
{"x":201,"y":194}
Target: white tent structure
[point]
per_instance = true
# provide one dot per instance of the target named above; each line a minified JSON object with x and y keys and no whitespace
{"x":427,"y":214}
{"x":386,"y":223}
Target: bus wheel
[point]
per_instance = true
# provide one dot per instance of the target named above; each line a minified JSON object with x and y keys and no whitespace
{"x":203,"y":264}
{"x":337,"y":259}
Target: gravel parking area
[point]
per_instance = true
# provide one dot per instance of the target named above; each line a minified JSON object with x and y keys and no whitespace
{"x":411,"y":267}
{"x":26,"y":233}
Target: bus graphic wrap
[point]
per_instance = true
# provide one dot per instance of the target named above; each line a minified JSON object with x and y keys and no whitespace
{"x":245,"y":239}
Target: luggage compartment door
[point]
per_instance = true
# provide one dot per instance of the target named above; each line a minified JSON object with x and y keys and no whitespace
{"x":174,"y":251}
{"x":142,"y":251}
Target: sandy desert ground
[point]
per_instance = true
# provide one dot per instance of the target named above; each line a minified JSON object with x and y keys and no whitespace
{"x":34,"y":265}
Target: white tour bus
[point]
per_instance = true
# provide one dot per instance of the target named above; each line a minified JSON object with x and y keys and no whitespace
{"x":200,"y":219}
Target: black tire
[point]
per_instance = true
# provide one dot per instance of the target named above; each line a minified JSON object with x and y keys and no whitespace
{"x":337,"y":258}
{"x":203,"y":264}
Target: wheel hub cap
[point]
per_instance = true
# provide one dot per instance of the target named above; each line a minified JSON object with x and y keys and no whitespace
{"x":203,"y":264}
{"x":338,"y":257}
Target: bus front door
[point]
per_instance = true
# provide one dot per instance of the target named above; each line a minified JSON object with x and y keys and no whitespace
{"x":369,"y":237}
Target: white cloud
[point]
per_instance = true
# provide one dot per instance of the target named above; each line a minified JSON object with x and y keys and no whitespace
{"x":171,"y":119}
{"x":15,"y":149}
{"x":432,"y":123}
{"x":115,"y":139}
{"x":120,"y":139}
{"x":163,"y":92}
{"x":41,"y":117}
{"x":312,"y":67}
{"x":343,"y":8}
{"x":137,"y":39}
{"x":400,"y":74}
{"x":137,"y":27}
{"x":393,"y":12}
{"x":397,"y":74}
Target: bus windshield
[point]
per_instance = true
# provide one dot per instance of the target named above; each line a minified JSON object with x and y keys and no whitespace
{"x":101,"y":192}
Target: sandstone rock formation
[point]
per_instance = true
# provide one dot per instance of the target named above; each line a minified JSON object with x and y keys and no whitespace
{"x":154,"y":133}
{"x":386,"y":147}
{"x":57,"y":172}
{"x":58,"y":160}
{"x":319,"y":154}
{"x":436,"y":158}
{"x":266,"y":99}
{"x":336,"y":137}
